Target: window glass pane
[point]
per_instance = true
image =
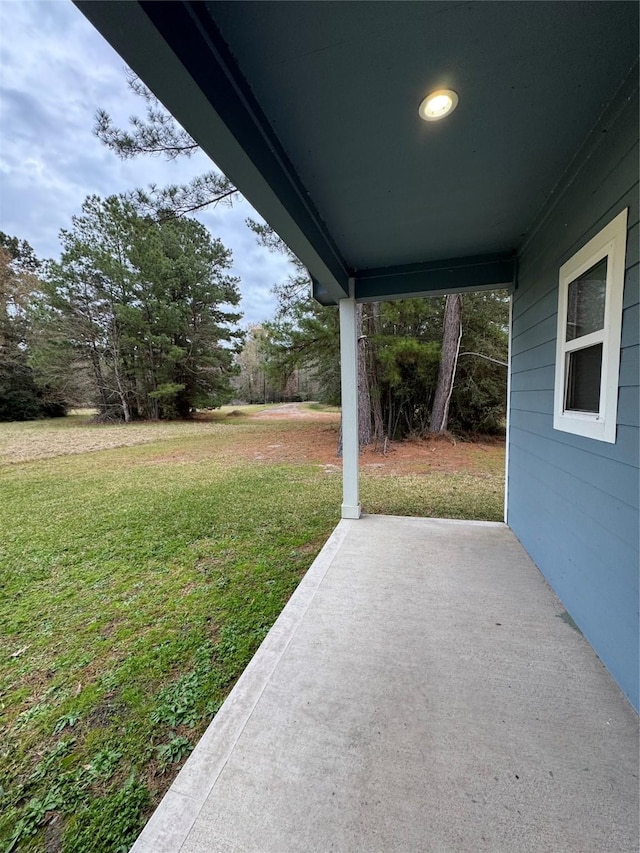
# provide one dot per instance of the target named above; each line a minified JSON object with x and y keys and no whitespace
{"x":584,"y":367}
{"x":585,"y":302}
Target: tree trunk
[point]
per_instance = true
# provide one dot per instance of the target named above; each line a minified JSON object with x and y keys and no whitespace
{"x":99,"y":380}
{"x":364,"y":398}
{"x":374,"y":386}
{"x":120,"y":389}
{"x":451,"y":337}
{"x":122,"y":394}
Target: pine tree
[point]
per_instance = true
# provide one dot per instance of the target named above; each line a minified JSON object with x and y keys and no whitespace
{"x":158,"y":134}
{"x":143,"y":305}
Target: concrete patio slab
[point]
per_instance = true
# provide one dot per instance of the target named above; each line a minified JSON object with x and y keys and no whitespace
{"x":422,"y":691}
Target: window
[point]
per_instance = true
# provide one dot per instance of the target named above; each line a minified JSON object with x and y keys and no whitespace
{"x":589,"y":326}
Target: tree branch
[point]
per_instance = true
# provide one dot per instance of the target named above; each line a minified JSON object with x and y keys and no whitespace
{"x":487,"y":357}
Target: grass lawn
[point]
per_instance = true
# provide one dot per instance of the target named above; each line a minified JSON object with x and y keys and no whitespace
{"x":140,"y":568}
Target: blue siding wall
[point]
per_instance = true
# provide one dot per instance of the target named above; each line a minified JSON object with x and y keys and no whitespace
{"x":573,"y":501}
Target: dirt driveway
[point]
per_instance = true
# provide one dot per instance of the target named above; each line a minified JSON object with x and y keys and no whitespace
{"x":294,"y":411}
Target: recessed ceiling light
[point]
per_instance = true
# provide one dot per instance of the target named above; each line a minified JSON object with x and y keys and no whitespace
{"x":438,"y":104}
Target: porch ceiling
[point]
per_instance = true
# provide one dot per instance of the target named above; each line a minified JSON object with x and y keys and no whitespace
{"x":311,"y":109}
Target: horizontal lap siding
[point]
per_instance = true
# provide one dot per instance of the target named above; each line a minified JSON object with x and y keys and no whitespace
{"x":573,"y":501}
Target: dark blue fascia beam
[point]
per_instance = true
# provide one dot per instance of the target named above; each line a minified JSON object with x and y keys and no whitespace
{"x":431,"y":278}
{"x":434,"y":278}
{"x":177,"y":50}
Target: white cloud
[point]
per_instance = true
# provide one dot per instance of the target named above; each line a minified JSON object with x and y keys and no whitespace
{"x":56,"y":71}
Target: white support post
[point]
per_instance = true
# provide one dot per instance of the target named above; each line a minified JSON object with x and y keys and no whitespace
{"x":349,"y":379}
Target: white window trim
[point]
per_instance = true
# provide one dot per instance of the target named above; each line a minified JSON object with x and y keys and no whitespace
{"x":609,"y":243}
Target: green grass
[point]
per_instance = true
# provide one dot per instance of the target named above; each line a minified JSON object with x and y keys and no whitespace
{"x":136,"y":584}
{"x":478,"y":496}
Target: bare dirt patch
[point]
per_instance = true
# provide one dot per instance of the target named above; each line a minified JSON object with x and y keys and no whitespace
{"x":315,"y":441}
{"x":442,"y":453}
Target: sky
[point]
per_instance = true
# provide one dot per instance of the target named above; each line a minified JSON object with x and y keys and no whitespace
{"x":56,"y":70}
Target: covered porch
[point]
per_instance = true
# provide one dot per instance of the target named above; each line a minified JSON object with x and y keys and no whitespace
{"x":423,"y":690}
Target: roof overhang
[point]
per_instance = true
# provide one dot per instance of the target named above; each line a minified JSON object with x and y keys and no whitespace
{"x":310,"y":108}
